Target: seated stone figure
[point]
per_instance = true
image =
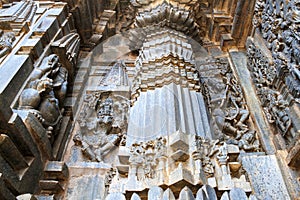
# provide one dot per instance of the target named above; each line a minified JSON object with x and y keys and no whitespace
{"x":247,"y":142}
{"x":95,"y":143}
{"x":45,"y":92}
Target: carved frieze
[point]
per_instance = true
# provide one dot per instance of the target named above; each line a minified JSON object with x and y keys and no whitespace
{"x":145,"y":157}
{"x":276,"y":76}
{"x":181,"y":158}
{"x":276,"y":108}
{"x":278,"y":24}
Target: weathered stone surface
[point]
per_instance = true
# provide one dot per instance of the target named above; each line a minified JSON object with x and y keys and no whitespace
{"x":252,"y":197}
{"x":5,"y":193}
{"x":293,"y":158}
{"x":168,"y":195}
{"x":225,"y":196}
{"x":155,"y":193}
{"x":135,"y":197}
{"x":237,"y":193}
{"x":240,"y":63}
{"x":156,"y":107}
{"x":51,"y":186}
{"x":16,"y":70}
{"x":11,"y":154}
{"x":88,"y":187}
{"x":46,"y":197}
{"x":56,"y":170}
{"x":209,"y":192}
{"x":201,"y":195}
{"x":265,"y":176}
{"x":114,"y":196}
{"x":186,"y":194}
{"x":180,"y":155}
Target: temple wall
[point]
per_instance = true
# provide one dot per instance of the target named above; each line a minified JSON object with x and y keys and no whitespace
{"x":28,"y":31}
{"x":149,"y":99}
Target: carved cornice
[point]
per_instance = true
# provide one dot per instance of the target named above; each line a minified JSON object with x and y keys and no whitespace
{"x":166,"y":57}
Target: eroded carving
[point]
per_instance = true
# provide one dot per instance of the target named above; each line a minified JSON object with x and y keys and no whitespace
{"x":102,"y":122}
{"x":67,"y":48}
{"x":247,"y":142}
{"x":276,"y":108}
{"x":6,"y":42}
{"x":94,"y":141}
{"x":219,"y":159}
{"x":225,"y":99}
{"x":278,"y":25}
{"x":145,"y":157}
{"x":45,"y":93}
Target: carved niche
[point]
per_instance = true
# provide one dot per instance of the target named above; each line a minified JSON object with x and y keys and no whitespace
{"x":103,"y":124}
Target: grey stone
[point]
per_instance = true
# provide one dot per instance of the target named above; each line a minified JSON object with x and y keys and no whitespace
{"x":11,"y":154}
{"x":239,"y":60}
{"x":155,"y":193}
{"x":225,"y":196}
{"x":5,"y":193}
{"x":51,"y":186}
{"x":209,"y":192}
{"x":168,"y":195}
{"x":46,"y":197}
{"x":237,"y":194}
{"x":201,"y":195}
{"x":16,"y":69}
{"x":135,"y":196}
{"x":252,"y":197}
{"x":180,"y":155}
{"x":88,"y":186}
{"x":186,"y":194}
{"x":61,"y":139}
{"x":56,"y":170}
{"x":265,"y":176}
{"x":114,"y":196}
{"x":38,"y":133}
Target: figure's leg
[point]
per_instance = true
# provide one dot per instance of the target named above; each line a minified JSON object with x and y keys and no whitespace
{"x":244,"y":116}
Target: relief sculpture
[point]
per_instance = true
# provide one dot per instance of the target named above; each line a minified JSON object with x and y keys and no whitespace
{"x":45,"y":93}
{"x":102,"y":121}
{"x":279,"y":24}
{"x":6,"y":42}
{"x":226,"y":101}
{"x":276,"y":108}
{"x":195,"y":99}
